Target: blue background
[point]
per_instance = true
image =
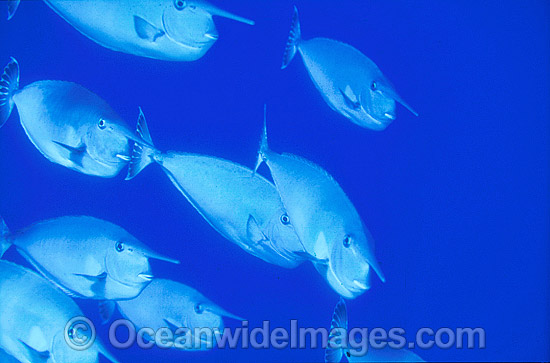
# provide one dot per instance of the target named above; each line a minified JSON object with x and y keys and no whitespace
{"x":457,"y":198}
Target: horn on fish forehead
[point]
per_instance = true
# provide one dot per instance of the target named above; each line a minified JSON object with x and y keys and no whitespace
{"x":215,"y":309}
{"x":131,"y":135}
{"x":389,"y":91}
{"x":157,"y":256}
{"x":214,"y":10}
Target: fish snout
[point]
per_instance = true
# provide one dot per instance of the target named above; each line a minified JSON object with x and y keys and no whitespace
{"x":146,"y":277}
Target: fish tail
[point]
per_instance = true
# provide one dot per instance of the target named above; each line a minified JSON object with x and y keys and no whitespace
{"x":293,"y":40}
{"x":340,"y":322}
{"x":264,"y":147}
{"x":9,"y":83}
{"x":4,"y":233}
{"x":12,"y":7}
{"x":142,"y":155}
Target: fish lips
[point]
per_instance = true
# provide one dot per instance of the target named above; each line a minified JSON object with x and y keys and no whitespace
{"x":178,"y":31}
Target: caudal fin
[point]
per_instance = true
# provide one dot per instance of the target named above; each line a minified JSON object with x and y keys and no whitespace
{"x":12,"y":7}
{"x":9,"y":83}
{"x":142,"y":155}
{"x":293,"y":40}
{"x":4,"y":233}
{"x":338,"y":326}
{"x":264,"y":147}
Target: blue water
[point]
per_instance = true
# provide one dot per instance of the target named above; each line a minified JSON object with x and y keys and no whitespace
{"x":457,"y":198}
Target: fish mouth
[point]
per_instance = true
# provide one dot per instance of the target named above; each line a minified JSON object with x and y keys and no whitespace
{"x":123,"y":157}
{"x":210,"y":38}
{"x":146,"y":277}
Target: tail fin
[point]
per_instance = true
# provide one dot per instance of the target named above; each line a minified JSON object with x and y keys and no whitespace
{"x":293,"y":40}
{"x":142,"y":155}
{"x":9,"y":83}
{"x":4,"y":233}
{"x":12,"y":7}
{"x":263,"y":144}
{"x":338,"y":327}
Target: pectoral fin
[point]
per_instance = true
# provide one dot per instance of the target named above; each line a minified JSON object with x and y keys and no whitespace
{"x":352,"y":101}
{"x":146,"y":30}
{"x":12,"y":7}
{"x":34,"y":355}
{"x":106,"y":310}
{"x":254,"y":232}
{"x":310,"y":257}
{"x":76,"y":154}
{"x":98,"y":283}
{"x":172,"y":325}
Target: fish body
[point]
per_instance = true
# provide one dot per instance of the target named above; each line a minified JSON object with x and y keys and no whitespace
{"x":68,"y":124}
{"x":173,"y":30}
{"x":33,"y":318}
{"x":169,"y":304}
{"x":86,"y":257}
{"x":325,"y":220}
{"x":242,"y":206}
{"x":349,"y":82}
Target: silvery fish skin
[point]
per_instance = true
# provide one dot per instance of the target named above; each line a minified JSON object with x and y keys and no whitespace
{"x":387,"y":354}
{"x":86,"y":257}
{"x":325,"y":220}
{"x":242,"y":207}
{"x":173,"y":30}
{"x":33,"y":316}
{"x":170,"y":304}
{"x":68,"y":124}
{"x":350,"y":83}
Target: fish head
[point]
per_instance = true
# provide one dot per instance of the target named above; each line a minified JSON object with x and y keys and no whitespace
{"x":378,"y":102}
{"x":189,"y":25}
{"x":107,"y":142}
{"x":63,"y":352}
{"x":204,"y":314}
{"x":351,"y":262}
{"x":282,"y":234}
{"x":127,"y":262}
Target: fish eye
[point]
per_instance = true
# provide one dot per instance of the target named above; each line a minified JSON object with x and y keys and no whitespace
{"x":180,"y":4}
{"x":119,"y":246}
{"x":373,"y":86}
{"x":347,"y":241}
{"x":285,"y":219}
{"x":348,"y":354}
{"x":102,"y":123}
{"x":199,"y":309}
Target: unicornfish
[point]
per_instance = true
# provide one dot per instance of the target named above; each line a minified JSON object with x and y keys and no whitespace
{"x":33,"y":320}
{"x":350,"y":83}
{"x":85,"y":257}
{"x":327,"y":223}
{"x":244,"y":208}
{"x":174,"y":30}
{"x":68,"y":124}
{"x":172,"y":305}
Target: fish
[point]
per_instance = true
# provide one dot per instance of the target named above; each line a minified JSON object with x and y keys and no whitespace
{"x":34,"y":316}
{"x":170,"y":304}
{"x":326,"y":222}
{"x":6,"y":358}
{"x":171,"y":30}
{"x":243,"y":208}
{"x":350,"y":83}
{"x":85,"y":257}
{"x":68,"y":124}
{"x":339,"y":325}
